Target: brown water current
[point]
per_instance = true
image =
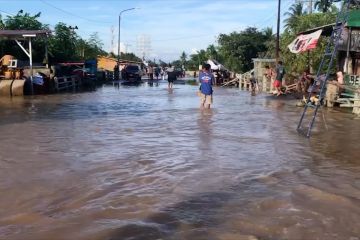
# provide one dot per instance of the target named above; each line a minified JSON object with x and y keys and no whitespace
{"x":139,"y":163}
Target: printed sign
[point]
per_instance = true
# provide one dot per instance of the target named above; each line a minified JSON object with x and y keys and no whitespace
{"x":305,"y":42}
{"x":353,"y":80}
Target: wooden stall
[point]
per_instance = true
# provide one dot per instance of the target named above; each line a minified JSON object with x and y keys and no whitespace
{"x":13,"y":77}
{"x":266,"y":84}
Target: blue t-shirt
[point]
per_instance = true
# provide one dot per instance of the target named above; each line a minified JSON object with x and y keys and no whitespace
{"x":206,"y":80}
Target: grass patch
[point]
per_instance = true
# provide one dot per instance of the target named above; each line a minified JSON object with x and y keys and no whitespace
{"x":192,"y":82}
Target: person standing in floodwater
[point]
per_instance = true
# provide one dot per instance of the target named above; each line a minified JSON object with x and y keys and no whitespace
{"x":280,"y":72}
{"x":151,"y":72}
{"x":253,"y":83}
{"x":171,"y":76}
{"x":206,"y":79}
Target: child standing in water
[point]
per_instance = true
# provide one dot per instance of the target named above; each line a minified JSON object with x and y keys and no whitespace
{"x":206,"y":79}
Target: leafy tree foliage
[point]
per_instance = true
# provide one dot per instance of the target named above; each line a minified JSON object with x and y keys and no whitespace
{"x":234,"y":50}
{"x":183,"y":58}
{"x":323,"y":5}
{"x":127,"y":56}
{"x":63,"y":45}
{"x":92,"y":47}
{"x":299,"y":62}
{"x":23,"y":21}
{"x":238,"y":48}
{"x":294,"y":12}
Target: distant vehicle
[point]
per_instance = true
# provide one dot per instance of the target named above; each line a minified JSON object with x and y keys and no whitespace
{"x":83,"y":73}
{"x":88,"y":79}
{"x":179,"y":72}
{"x":131,"y":73}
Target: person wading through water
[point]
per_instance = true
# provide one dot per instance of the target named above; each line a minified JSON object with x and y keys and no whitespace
{"x":280,"y":72}
{"x":206,"y":79}
{"x":171,"y":76}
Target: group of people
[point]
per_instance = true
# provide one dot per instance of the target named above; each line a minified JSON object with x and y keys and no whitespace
{"x":157,"y":71}
{"x":206,"y":79}
{"x":276,"y":76}
{"x":160,"y":71}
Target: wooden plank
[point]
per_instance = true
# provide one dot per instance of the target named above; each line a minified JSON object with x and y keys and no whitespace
{"x":232,"y":81}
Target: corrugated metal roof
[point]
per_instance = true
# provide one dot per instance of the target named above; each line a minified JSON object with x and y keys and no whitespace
{"x":327,"y":30}
{"x":353,"y":21}
{"x":21,"y":33}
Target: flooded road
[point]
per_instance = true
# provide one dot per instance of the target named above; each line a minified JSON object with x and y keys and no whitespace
{"x":144,"y":163}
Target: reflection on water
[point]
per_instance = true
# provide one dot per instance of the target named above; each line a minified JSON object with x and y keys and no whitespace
{"x":145,"y":163}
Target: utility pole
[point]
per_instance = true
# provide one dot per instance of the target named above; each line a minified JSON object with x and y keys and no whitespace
{"x":278,"y":33}
{"x":112,"y":39}
{"x":119,"y":52}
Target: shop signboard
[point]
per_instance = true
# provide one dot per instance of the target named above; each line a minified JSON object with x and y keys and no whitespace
{"x":352,"y":80}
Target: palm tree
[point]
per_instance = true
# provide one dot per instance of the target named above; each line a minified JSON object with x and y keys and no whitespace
{"x":183,"y":58}
{"x":269,"y":42}
{"x":294,"y":12}
{"x":211,"y":52}
{"x":323,"y":5}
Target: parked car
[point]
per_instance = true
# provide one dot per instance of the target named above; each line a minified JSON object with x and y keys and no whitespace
{"x":179,"y":72}
{"x":131,"y":73}
{"x":87,"y":78}
{"x":83,"y":73}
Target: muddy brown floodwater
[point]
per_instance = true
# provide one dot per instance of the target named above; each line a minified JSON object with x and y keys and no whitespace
{"x":142,"y":163}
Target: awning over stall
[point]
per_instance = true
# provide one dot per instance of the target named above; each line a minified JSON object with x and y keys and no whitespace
{"x":23,"y":34}
{"x":26,"y":35}
{"x":354,"y":18}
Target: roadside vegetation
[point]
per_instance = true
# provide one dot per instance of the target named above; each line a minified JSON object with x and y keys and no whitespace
{"x":64,"y":44}
{"x":236,"y":50}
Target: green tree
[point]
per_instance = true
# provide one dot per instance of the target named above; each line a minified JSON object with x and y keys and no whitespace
{"x":238,"y":48}
{"x":2,"y":24}
{"x":183,"y":58}
{"x":270,"y":44}
{"x":212,"y":53}
{"x":323,"y":5}
{"x":92,"y":47}
{"x":299,"y":62}
{"x":23,"y":21}
{"x":62,"y":45}
{"x":294,"y":12}
{"x":130,"y":57}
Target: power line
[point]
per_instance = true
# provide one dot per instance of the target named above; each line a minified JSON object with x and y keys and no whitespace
{"x":72,"y":14}
{"x":274,"y":15}
{"x":6,"y":13}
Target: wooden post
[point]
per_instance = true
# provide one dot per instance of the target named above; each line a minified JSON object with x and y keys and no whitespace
{"x":278,"y":33}
{"x":46,"y":52}
{"x":356,"y":108}
{"x":346,"y":70}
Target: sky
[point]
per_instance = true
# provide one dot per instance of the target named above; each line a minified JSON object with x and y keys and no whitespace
{"x":173,"y":26}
